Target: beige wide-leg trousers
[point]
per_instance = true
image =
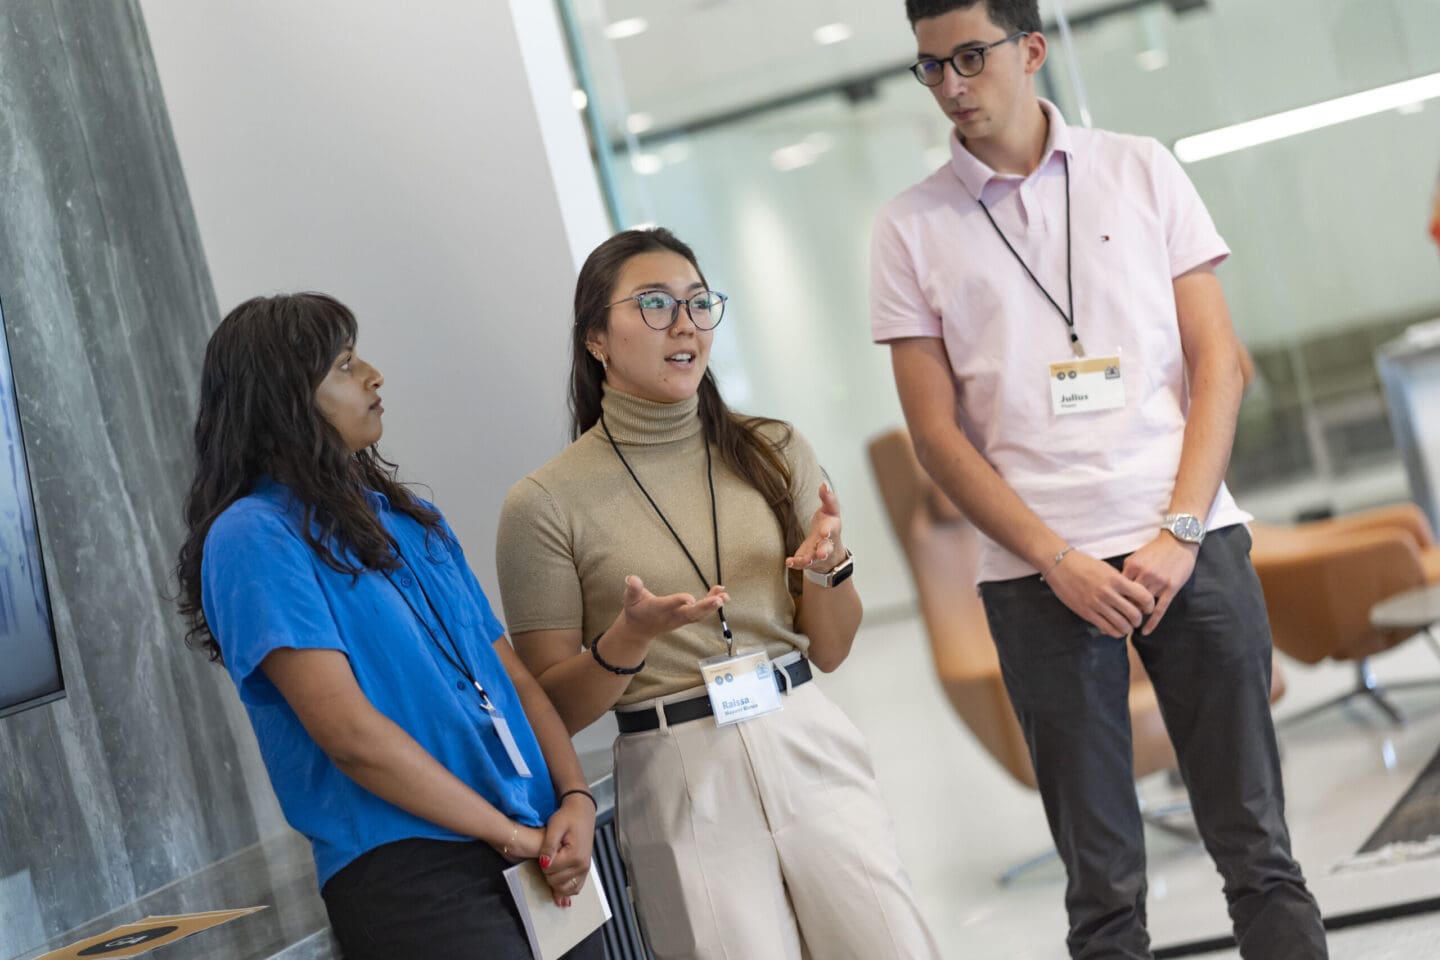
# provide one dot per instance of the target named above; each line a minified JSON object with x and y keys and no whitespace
{"x":764,"y":839}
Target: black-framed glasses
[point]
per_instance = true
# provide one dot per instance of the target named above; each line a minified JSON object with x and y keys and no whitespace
{"x":967,"y":62}
{"x":659,"y":310}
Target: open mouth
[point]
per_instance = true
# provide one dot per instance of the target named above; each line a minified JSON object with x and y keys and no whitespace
{"x":684,"y":358}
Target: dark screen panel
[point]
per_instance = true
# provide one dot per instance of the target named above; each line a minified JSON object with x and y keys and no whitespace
{"x":29,"y":658}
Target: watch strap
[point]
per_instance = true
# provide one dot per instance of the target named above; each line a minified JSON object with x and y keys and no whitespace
{"x":836,"y":575}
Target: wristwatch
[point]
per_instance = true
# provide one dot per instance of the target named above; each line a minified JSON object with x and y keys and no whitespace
{"x":836,"y":575}
{"x":1185,"y":527}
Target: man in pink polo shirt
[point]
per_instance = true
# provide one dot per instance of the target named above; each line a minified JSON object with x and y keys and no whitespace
{"x":1070,"y":378}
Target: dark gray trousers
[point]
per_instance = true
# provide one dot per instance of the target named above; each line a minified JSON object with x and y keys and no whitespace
{"x":422,"y":899}
{"x":1210,"y":663}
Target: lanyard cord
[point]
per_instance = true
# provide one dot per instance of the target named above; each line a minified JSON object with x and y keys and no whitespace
{"x":1069,"y":318}
{"x":714,"y":523}
{"x":458,"y":660}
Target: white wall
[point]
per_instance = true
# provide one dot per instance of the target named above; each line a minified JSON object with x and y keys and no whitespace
{"x":424,"y":163}
{"x":396,"y":156}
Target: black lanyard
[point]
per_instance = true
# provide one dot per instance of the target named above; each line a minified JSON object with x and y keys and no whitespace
{"x":714,"y":524}
{"x":458,"y":659}
{"x":1069,"y":318}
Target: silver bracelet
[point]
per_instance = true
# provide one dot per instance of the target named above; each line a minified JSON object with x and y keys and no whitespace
{"x":1058,"y":557}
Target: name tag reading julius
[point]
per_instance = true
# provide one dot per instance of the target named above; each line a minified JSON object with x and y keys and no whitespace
{"x":1086,"y":384}
{"x":741,"y":687}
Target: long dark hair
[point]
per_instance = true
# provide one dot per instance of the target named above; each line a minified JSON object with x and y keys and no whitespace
{"x":258,"y":417}
{"x":758,"y":461}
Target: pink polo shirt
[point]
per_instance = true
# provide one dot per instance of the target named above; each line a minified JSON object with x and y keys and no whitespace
{"x":1102,"y":480}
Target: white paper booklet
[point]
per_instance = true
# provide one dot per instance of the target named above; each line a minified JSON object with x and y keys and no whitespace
{"x":554,"y":930}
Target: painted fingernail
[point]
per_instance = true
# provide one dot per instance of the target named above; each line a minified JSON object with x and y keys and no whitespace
{"x":544,"y":862}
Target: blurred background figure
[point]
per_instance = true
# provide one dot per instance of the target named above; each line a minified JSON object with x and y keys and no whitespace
{"x":1435,"y":216}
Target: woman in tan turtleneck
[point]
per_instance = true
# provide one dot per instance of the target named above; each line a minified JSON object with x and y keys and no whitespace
{"x":674,"y":536}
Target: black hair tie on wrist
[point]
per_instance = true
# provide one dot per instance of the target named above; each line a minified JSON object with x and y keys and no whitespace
{"x":584,"y":793}
{"x":620,"y":671}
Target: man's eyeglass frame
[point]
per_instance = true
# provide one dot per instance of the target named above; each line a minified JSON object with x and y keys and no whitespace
{"x":954,"y":60}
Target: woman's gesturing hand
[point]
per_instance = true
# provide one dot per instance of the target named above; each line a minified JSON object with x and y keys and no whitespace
{"x":649,"y":616}
{"x":821,"y":550}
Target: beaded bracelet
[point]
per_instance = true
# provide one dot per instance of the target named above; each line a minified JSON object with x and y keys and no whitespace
{"x":620,"y":671}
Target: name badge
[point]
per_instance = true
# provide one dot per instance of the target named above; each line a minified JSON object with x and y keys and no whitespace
{"x":507,"y":740}
{"x":502,"y":730}
{"x":1086,"y":385}
{"x":741,"y":687}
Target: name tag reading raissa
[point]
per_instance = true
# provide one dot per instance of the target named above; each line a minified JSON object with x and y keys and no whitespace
{"x":1086,"y":384}
{"x":741,"y":687}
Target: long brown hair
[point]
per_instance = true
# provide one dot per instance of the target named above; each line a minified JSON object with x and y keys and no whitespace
{"x":258,"y":417}
{"x":758,"y":460}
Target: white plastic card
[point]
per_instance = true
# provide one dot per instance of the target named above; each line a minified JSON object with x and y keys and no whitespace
{"x":507,"y":739}
{"x":741,"y":687}
{"x":1086,"y":384}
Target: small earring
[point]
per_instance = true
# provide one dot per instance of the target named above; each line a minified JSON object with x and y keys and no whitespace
{"x":601,"y":357}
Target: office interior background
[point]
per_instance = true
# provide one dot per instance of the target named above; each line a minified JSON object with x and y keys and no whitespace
{"x":443,"y":168}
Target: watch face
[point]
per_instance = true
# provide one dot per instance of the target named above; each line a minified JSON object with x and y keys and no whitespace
{"x":1188,"y":528}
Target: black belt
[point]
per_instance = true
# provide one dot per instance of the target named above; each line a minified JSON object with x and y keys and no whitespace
{"x":683,"y":711}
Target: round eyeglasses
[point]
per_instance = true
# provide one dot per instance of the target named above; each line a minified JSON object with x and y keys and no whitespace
{"x":967,"y":62}
{"x":659,"y":310}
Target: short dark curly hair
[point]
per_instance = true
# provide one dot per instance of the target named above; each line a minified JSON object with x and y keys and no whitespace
{"x":1012,"y":16}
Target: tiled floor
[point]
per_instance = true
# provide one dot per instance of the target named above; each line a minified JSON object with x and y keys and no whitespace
{"x":961,"y":820}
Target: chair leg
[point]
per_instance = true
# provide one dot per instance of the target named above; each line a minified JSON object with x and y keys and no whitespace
{"x":1162,"y":817}
{"x":1159,"y":816}
{"x":1369,"y":687}
{"x":1377,"y":696}
{"x":1011,"y":874}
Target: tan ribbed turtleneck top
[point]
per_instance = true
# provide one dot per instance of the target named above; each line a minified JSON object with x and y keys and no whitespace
{"x":574,"y":529}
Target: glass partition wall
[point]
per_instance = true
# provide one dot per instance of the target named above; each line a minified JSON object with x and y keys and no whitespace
{"x":767,"y":133}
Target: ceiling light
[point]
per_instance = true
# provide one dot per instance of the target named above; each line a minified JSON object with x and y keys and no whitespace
{"x":579,"y":98}
{"x":793,"y":157}
{"x":1290,"y":123}
{"x":646,"y":164}
{"x":1150,"y":60}
{"x":801,"y":154}
{"x":832,"y":33}
{"x":629,"y":27}
{"x":639,"y":122}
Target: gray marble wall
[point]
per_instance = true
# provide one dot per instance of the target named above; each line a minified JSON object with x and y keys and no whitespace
{"x":147,"y":771}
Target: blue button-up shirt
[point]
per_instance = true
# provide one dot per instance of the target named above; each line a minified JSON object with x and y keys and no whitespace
{"x":264,"y":589}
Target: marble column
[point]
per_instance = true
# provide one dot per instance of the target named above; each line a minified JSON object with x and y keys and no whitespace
{"x":146,"y":772}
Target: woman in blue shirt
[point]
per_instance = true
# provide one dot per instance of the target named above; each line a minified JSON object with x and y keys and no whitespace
{"x":402,"y":735}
